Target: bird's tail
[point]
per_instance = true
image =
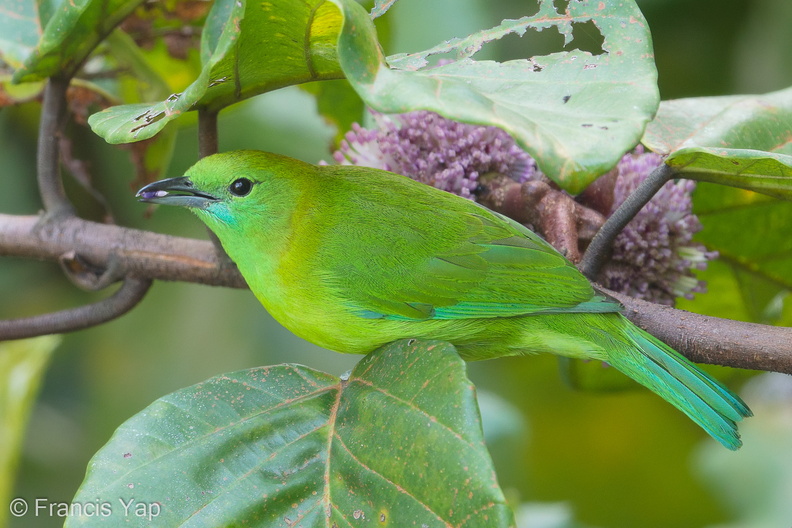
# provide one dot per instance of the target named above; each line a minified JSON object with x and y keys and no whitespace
{"x":657,"y":366}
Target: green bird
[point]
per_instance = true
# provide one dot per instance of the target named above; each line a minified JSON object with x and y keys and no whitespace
{"x":352,"y":258}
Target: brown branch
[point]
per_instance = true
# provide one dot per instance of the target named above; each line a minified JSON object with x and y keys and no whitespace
{"x":130,"y":293}
{"x":207,"y":132}
{"x":154,"y":256}
{"x":712,"y":340}
{"x":564,"y":223}
{"x":129,"y":251}
{"x":53,"y":118}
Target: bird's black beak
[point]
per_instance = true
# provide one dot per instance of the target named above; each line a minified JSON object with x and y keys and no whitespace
{"x":175,"y":191}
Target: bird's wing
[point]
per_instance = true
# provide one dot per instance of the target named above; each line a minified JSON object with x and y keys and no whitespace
{"x":468,"y":263}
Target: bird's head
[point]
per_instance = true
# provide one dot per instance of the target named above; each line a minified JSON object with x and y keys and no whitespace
{"x":228,"y":189}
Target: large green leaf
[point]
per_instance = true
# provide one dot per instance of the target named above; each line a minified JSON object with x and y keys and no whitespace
{"x":741,"y":141}
{"x":575,"y":111}
{"x":73,"y":31}
{"x":748,"y":230}
{"x":247,"y":48}
{"x":22,"y":367}
{"x":397,"y":443}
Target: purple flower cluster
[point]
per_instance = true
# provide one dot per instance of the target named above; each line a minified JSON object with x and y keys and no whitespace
{"x":653,"y":258}
{"x":437,"y":151}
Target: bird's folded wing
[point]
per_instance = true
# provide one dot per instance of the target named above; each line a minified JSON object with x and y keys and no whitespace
{"x":483,"y":266}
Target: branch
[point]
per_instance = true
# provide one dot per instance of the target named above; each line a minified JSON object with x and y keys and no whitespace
{"x":598,"y":251}
{"x":53,"y":116}
{"x":552,"y":213}
{"x":128,"y":251}
{"x":712,"y":340}
{"x":130,"y":293}
{"x":153,"y":256}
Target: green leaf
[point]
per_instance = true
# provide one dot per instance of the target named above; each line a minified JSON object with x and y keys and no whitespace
{"x":20,"y":29}
{"x":755,"y":122}
{"x":338,"y":103}
{"x":11,"y":94}
{"x":247,"y":48}
{"x":593,"y":375}
{"x":755,"y":170}
{"x":381,"y":7}
{"x":71,"y":34}
{"x":761,"y":297}
{"x":750,"y":231}
{"x":398,"y":443}
{"x":575,"y":112}
{"x":22,"y":367}
{"x":741,"y":141}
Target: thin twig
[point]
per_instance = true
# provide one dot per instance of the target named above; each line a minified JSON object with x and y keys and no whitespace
{"x":598,"y":251}
{"x":130,"y":293}
{"x":207,"y":145}
{"x":81,"y":173}
{"x":50,"y":182}
{"x":207,"y":132}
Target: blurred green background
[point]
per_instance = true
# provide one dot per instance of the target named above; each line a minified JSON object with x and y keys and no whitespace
{"x":615,"y":460}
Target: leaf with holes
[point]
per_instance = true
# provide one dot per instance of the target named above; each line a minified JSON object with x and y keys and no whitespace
{"x":576,"y":112}
{"x":247,"y":48}
{"x":380,"y":7}
{"x":398,"y":443}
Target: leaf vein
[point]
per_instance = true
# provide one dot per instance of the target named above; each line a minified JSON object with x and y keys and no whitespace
{"x":398,"y":488}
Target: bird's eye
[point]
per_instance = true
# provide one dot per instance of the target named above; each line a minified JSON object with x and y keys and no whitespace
{"x":241,"y":187}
